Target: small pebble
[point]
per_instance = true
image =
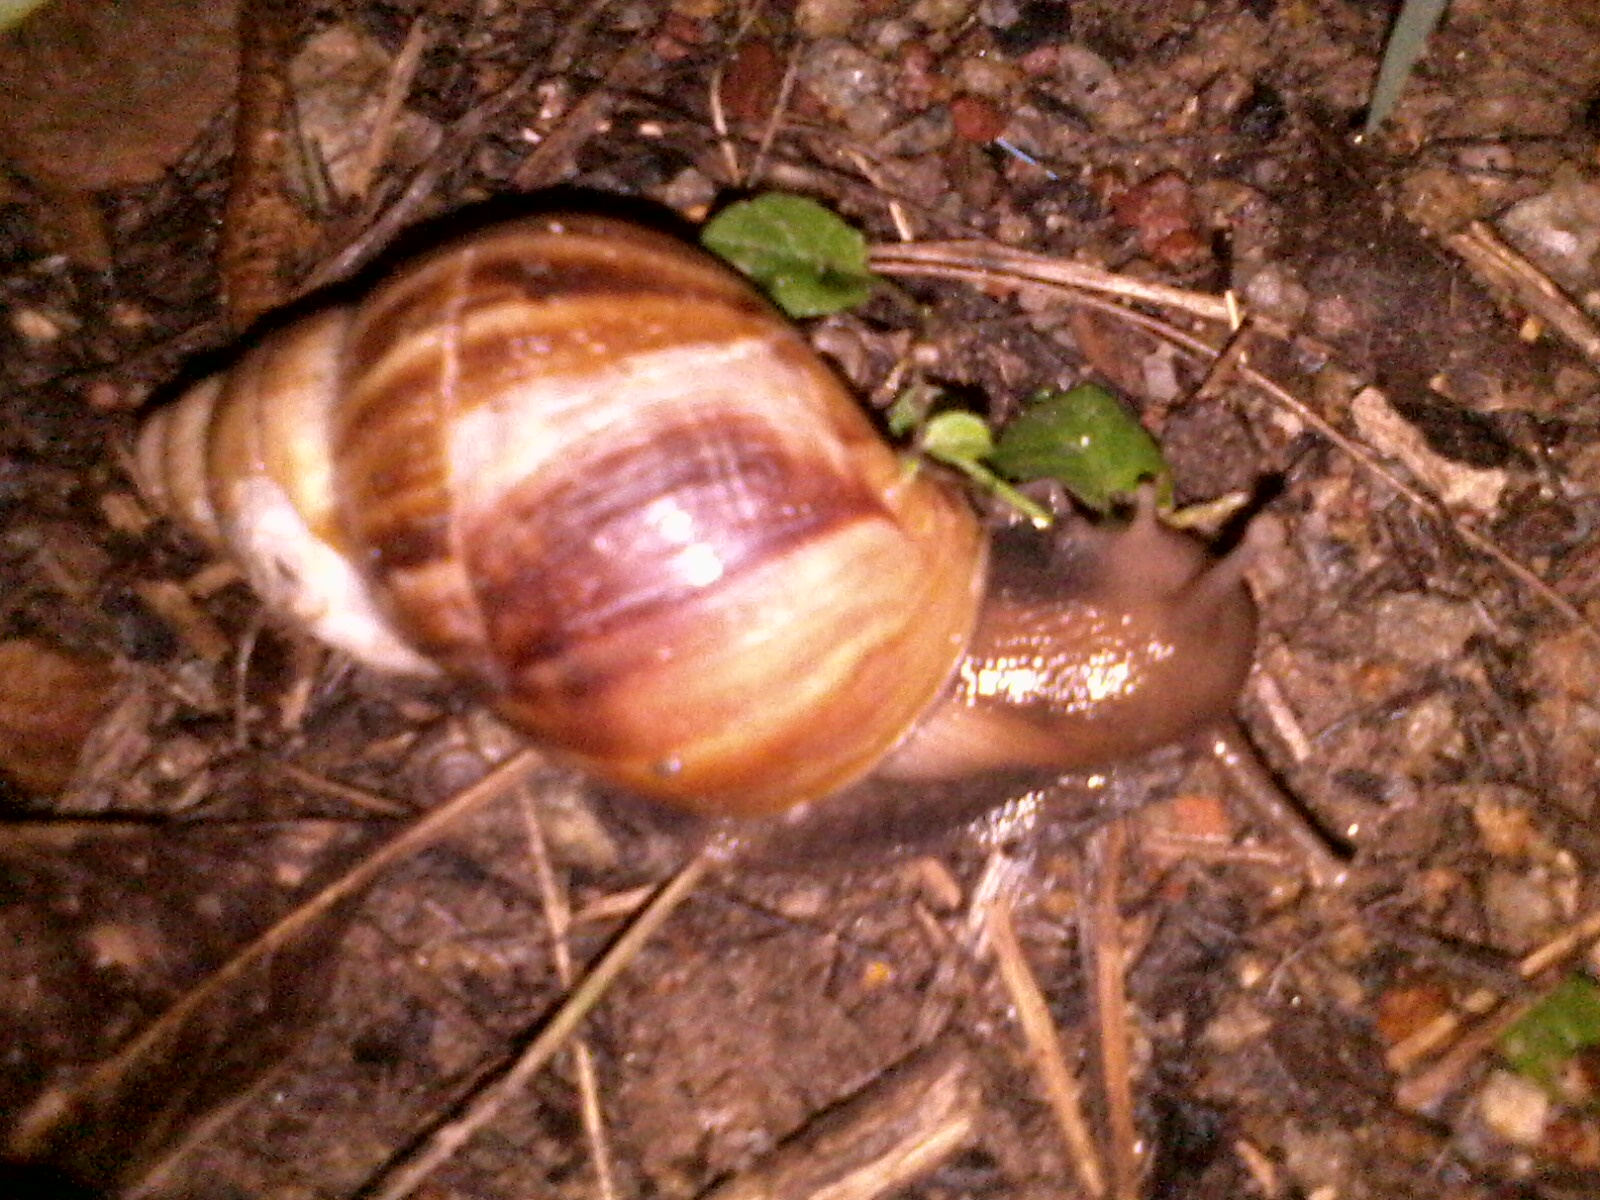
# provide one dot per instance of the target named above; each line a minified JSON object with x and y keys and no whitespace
{"x":1514,"y":1108}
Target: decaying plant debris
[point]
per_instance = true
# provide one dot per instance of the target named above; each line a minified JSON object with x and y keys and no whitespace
{"x":288,"y":926}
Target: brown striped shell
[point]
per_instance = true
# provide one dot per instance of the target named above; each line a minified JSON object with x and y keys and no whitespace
{"x":585,"y":468}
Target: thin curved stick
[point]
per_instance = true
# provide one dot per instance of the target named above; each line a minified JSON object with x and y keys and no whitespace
{"x":1253,"y":782}
{"x":985,"y":261}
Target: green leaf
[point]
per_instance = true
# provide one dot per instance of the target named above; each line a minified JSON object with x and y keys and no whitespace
{"x":1086,"y":440}
{"x":807,"y":259}
{"x":957,"y":436}
{"x":1563,"y":1023}
{"x":962,"y":440}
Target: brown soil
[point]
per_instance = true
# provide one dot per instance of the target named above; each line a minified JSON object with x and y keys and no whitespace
{"x":1422,"y":492}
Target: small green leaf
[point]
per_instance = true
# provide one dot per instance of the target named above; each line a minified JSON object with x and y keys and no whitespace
{"x":960,"y":440}
{"x":1563,"y":1023}
{"x":809,"y":260}
{"x":957,"y":436}
{"x":1086,"y":440}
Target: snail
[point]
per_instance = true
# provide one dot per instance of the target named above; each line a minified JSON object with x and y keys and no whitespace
{"x":586,"y":469}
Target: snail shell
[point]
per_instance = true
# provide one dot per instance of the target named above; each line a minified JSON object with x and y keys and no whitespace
{"x":586,"y":469}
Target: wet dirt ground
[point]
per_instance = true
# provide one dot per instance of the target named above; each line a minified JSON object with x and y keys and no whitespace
{"x":226,"y":977}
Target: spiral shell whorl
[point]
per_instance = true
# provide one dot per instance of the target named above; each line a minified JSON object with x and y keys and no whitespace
{"x":242,"y":460}
{"x":584,"y":467}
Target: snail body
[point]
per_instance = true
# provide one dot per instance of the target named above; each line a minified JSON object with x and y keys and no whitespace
{"x":585,"y":469}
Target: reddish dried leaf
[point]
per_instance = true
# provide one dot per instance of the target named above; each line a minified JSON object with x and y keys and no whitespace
{"x":752,"y":82}
{"x":1161,"y":211}
{"x":1404,"y":1010}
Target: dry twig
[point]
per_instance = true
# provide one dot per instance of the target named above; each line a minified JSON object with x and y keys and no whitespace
{"x":989,"y":263}
{"x":401,"y":75}
{"x":549,"y":161}
{"x":1253,"y":783}
{"x":1502,"y":267}
{"x":357,"y":798}
{"x":774,"y":121}
{"x":377,"y":230}
{"x":402,"y":1176}
{"x":1100,"y":936}
{"x":908,"y":1121}
{"x":1044,"y":1047}
{"x":558,"y":915}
